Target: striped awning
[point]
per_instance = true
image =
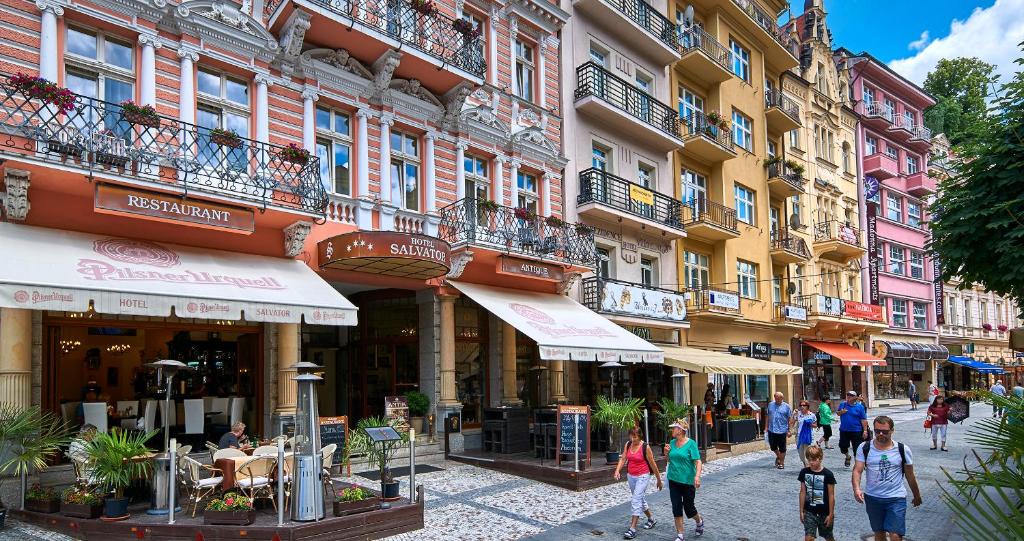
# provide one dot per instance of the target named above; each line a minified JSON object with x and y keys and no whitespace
{"x":911,"y":350}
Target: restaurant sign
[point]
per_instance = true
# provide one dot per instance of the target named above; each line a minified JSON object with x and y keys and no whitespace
{"x":530,"y":269}
{"x":634,"y":300}
{"x":114,"y":199}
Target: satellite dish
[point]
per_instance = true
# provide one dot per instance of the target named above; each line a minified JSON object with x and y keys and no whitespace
{"x":791,"y":288}
{"x":794,"y":220}
{"x":688,"y":15}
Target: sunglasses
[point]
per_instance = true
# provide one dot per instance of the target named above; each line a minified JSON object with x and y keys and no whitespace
{"x":805,"y":405}
{"x":883,"y":432}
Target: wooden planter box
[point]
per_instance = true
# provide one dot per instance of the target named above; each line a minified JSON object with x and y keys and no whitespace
{"x":66,"y":149}
{"x":42,"y":506}
{"x":342,"y":509}
{"x":226,"y":141}
{"x":229,"y":518}
{"x":78,"y":510}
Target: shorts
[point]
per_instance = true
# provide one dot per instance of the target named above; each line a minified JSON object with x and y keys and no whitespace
{"x":777,"y":442}
{"x":814,"y":525}
{"x":682,"y":496}
{"x":940,"y":431}
{"x":638,"y":491}
{"x":826,"y":432}
{"x":848,"y":439}
{"x":887,"y":514}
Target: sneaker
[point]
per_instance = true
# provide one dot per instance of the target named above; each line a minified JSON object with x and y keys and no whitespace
{"x":700,"y":529}
{"x":847,"y":462}
{"x":651,"y":523}
{"x":630,"y":534}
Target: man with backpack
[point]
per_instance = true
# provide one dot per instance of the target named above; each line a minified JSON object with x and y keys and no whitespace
{"x":887,"y":463}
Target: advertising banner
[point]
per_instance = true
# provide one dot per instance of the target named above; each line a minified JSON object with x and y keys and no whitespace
{"x":873,"y":261}
{"x":633,"y":300}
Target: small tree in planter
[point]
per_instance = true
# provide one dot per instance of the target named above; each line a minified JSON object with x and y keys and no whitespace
{"x":233,"y":509}
{"x":42,"y":499}
{"x":354,"y":499}
{"x":669,"y":411}
{"x":618,"y":416}
{"x":28,"y":439}
{"x":379,"y":454}
{"x":114,"y":456}
{"x":419,"y":405}
{"x":81,"y":502}
{"x":772,"y":161}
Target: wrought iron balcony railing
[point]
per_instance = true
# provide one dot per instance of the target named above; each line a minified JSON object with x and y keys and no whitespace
{"x":764,"y":19}
{"x":647,"y":17}
{"x":879,"y":109}
{"x":702,"y":210}
{"x":698,"y":124}
{"x":784,"y":240}
{"x":830,"y":230}
{"x":595,"y":297}
{"x":479,"y":222}
{"x":779,"y":171}
{"x":775,"y":98}
{"x":713,"y":299}
{"x":597,"y":186}
{"x":697,"y":38}
{"x":95,"y":136}
{"x":594,"y":80}
{"x":414,"y":23}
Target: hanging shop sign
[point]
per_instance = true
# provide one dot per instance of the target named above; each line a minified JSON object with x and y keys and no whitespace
{"x":530,"y":269}
{"x":873,"y":262}
{"x":860,"y":310}
{"x":829,"y":306}
{"x":163,"y":207}
{"x":641,"y":195}
{"x":387,"y":253}
{"x":765,"y":351}
{"x":796,"y":313}
{"x":721,"y":299}
{"x":871,"y":187}
{"x":633,"y":300}
{"x":940,"y":296}
{"x":761,"y":350}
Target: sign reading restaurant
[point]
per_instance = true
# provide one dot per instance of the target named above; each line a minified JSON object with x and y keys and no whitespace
{"x":146,"y":204}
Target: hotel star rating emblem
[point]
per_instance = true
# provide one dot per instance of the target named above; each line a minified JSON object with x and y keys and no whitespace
{"x":357,"y":244}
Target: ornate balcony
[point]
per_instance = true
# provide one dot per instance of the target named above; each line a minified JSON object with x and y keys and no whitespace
{"x":779,"y":49}
{"x":713,"y":303}
{"x":782,"y":112}
{"x":784,"y":183}
{"x":626,"y":109}
{"x":638,"y":23}
{"x":627,"y":300}
{"x":792,"y":313}
{"x":881,"y":166}
{"x":709,"y":221}
{"x":613,"y":198}
{"x":921,"y":138}
{"x":704,"y":58}
{"x":833,"y":308}
{"x":95,"y":138}
{"x":706,"y":140}
{"x":472,"y":222}
{"x":877,"y":114}
{"x":788,"y":248}
{"x":920,"y":184}
{"x":838,"y":241}
{"x":901,"y":128}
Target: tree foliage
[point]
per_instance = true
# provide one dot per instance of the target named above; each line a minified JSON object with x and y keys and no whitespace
{"x":945,"y":116}
{"x":968,"y":82}
{"x":978,"y":220}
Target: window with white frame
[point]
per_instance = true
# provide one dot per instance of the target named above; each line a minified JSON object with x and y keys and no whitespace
{"x":222,"y":103}
{"x":740,"y":60}
{"x":794,"y":138}
{"x":742,"y":131}
{"x":100,"y":66}
{"x":893,"y":207}
{"x":912,"y":164}
{"x":405,"y":170}
{"x":777,"y":289}
{"x":983,"y":311}
{"x":891,"y":151}
{"x":890,"y":109}
{"x":920,"y":316}
{"x":795,"y":209}
{"x":913,"y":214}
{"x":604,"y":262}
{"x":999,"y":314}
{"x":798,"y":275}
{"x":746,"y":278}
{"x":334,"y":148}
{"x":899,"y":313}
{"x":917,"y":264}
{"x":773,"y":150}
{"x":696,"y":270}
{"x":745,"y":201}
{"x":524,"y":70}
{"x":695,"y":189}
{"x":527,"y":184}
{"x":647,"y":272}
{"x":478,"y":182}
{"x":690,"y":105}
{"x":869,"y":96}
{"x":870,"y":145}
{"x":897,"y":260}
{"x":909,"y":119}
{"x":968,"y":315}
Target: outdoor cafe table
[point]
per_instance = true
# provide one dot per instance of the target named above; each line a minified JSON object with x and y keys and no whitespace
{"x":227,"y":467}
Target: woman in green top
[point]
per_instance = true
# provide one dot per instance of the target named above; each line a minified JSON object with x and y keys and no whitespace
{"x":825,"y":422}
{"x":684,"y":469}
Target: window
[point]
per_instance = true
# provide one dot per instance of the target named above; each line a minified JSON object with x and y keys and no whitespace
{"x":909,"y":119}
{"x":599,"y":157}
{"x":695,"y":189}
{"x":968,"y":316}
{"x":896,"y":260}
{"x":405,"y":170}
{"x":891,"y":151}
{"x":524,"y":70}
{"x":911,"y":164}
{"x":798,"y":275}
{"x":890,"y":109}
{"x":870,"y":145}
{"x":794,"y":138}
{"x":223,"y":102}
{"x":334,"y":148}
{"x":983,"y":311}
{"x":846,"y":158}
{"x":101,"y":67}
{"x":696,"y":270}
{"x":899,"y":313}
{"x":742,"y":131}
{"x":913,"y":214}
{"x":917,"y":264}
{"x":604,"y":263}
{"x":478,"y":184}
{"x":773,"y":150}
{"x":893,"y":207}
{"x":746,"y":277}
{"x":821,"y":83}
{"x":744,"y":204}
{"x":740,"y":61}
{"x":920,"y":316}
{"x":777,"y":289}
{"x":999,"y":314}
{"x":690,"y":104}
{"x":869,"y":96}
{"x":647,"y":277}
{"x":527,"y":184}
{"x":598,"y":56}
{"x":794,"y":206}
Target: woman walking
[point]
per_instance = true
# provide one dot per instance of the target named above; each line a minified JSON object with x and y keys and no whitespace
{"x":938,"y":414}
{"x":805,"y":422}
{"x":825,"y":422}
{"x":684,"y":469}
{"x":640,"y":467}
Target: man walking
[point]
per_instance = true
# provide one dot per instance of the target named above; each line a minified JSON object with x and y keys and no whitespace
{"x":999,"y":390}
{"x":853,"y":425}
{"x":780,"y":422}
{"x":912,"y":394}
{"x":887,"y":463}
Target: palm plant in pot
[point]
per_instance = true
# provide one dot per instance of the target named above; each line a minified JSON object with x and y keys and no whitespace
{"x":669,"y":411}
{"x":115,"y":458}
{"x":380,"y":453}
{"x":29,"y":437}
{"x":619,"y":416}
{"x":419,"y":405}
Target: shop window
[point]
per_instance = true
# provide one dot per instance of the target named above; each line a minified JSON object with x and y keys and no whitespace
{"x":917,"y":264}
{"x":745,"y":201}
{"x":470,"y":360}
{"x":920,"y":316}
{"x":334,"y":148}
{"x":899,"y":313}
{"x":746,"y":278}
{"x":757,"y":388}
{"x":405,"y":170}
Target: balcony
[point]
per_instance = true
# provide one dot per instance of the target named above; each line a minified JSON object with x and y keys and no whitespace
{"x":713,"y":303}
{"x":707,"y":139}
{"x":757,"y":22}
{"x":608,"y":197}
{"x":920,"y":184}
{"x":876,"y":114}
{"x":638,"y":23}
{"x":709,"y":221}
{"x":837,"y":241}
{"x":627,"y":300}
{"x":784,"y":183}
{"x":921,"y":138}
{"x":781,"y":111}
{"x":703,"y":57}
{"x":881,"y":166}
{"x":626,"y":109}
{"x":901,"y":128}
{"x":95,"y":138}
{"x":788,"y":248}
{"x":791,"y":314}
{"x":485,"y":224}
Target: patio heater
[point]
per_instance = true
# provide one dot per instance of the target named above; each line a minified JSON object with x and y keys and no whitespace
{"x":615,"y":365}
{"x":166,"y":369}
{"x":307,"y":487}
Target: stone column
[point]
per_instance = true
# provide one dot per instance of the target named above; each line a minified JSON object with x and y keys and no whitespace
{"x":386,"y":120}
{"x":542,"y":45}
{"x":48,"y":39}
{"x":557,"y":382}
{"x":498,"y":184}
{"x":449,"y":397}
{"x":513,"y":179}
{"x":492,"y":46}
{"x":187,"y":86}
{"x":262,"y":108}
{"x":362,"y":154}
{"x":430,"y":172}
{"x":509,"y":397}
{"x":16,"y":357}
{"x":287,"y":356}
{"x":309,"y":98}
{"x":513,"y":33}
{"x":147,"y":71}
{"x":460,"y":170}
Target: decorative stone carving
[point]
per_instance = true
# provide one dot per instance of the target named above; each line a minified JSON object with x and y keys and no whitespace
{"x":53,"y":7}
{"x":295,"y":238}
{"x":295,"y":33}
{"x":189,"y":53}
{"x":454,"y":100}
{"x":224,"y":13}
{"x":16,"y":204}
{"x":459,"y":261}
{"x":568,"y":281}
{"x":263,"y":79}
{"x":340,"y":59}
{"x":528,"y":117}
{"x":480,"y":95}
{"x":151,"y":40}
{"x":383,"y":70}
{"x":310,"y":93}
{"x":483,"y":114}
{"x":414,"y":87}
{"x":534,"y":136}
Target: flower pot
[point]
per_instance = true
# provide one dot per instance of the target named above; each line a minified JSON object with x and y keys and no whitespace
{"x":66,"y":149}
{"x":612,"y":457}
{"x":342,"y":509}
{"x":298,"y":160}
{"x":419,"y":424}
{"x":78,"y":510}
{"x":140,"y":120}
{"x":42,"y":506}
{"x":110,"y":158}
{"x":231,"y":518}
{"x":115,"y":508}
{"x":226,"y":141}
{"x":390,"y":492}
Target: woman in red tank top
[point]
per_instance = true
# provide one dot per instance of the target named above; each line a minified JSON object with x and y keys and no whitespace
{"x":640,"y":468}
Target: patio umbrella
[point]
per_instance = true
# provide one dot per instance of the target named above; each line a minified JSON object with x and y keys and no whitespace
{"x":959,"y":409}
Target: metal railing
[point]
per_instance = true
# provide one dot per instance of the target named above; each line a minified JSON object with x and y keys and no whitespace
{"x":94,"y":135}
{"x":593,"y":287}
{"x":699,"y":300}
{"x":764,"y":19}
{"x":879,"y":109}
{"x":775,"y":98}
{"x":778,"y":171}
{"x":698,"y":124}
{"x":783,"y":311}
{"x":479,"y":222}
{"x":595,"y":80}
{"x":597,"y":186}
{"x":784,"y":240}
{"x":921,"y":132}
{"x":835,"y":230}
{"x":648,"y":18}
{"x":702,"y":210}
{"x":414,"y":23}
{"x":696,"y":37}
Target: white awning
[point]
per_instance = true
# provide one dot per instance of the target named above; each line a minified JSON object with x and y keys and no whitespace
{"x":50,"y":269}
{"x":713,"y":362}
{"x":563,"y":328}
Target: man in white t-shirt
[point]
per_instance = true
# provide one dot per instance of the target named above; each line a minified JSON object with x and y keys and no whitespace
{"x":887,"y":463}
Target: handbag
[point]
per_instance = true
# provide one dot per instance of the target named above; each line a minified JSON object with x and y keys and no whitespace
{"x":927,"y":423}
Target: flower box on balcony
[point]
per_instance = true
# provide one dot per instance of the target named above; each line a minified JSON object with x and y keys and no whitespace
{"x":1002,"y":328}
{"x":424,"y":7}
{"x":139,"y":115}
{"x":466,"y":28}
{"x":46,"y":91}
{"x":225,"y":138}
{"x":294,"y":154}
{"x":66,"y":148}
{"x":987,"y":326}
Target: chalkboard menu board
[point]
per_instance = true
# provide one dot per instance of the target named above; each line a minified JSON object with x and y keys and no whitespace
{"x":573,"y":429}
{"x":335,"y":430}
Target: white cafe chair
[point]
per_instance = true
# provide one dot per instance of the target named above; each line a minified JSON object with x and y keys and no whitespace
{"x":265,"y":450}
{"x":221,"y":405}
{"x":227,"y":452}
{"x":236,"y":406}
{"x":170,"y":417}
{"x":96,"y":415}
{"x":195,"y":421}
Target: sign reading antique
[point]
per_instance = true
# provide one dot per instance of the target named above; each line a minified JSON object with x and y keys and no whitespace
{"x":873,"y":262}
{"x":396,"y":410}
{"x":531,"y":269}
{"x":407,"y":255}
{"x":636,"y":300}
{"x":114,"y":199}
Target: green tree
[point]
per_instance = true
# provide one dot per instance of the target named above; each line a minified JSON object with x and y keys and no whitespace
{"x":978,"y":219}
{"x":966,"y":81}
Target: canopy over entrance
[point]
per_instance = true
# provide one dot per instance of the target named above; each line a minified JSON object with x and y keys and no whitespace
{"x":563,"y":328}
{"x":847,"y":354}
{"x":713,"y":362}
{"x":981,"y":367}
{"x":50,"y":269}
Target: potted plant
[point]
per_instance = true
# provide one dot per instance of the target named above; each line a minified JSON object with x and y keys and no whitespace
{"x":523,"y":213}
{"x":772,"y":161}
{"x":115,"y":461}
{"x":29,"y":438}
{"x":668,"y":412}
{"x":1002,"y":328}
{"x":424,"y":7}
{"x":554,"y":221}
{"x":141,"y":115}
{"x":80,"y":502}
{"x":379,"y":454}
{"x":225,"y":138}
{"x":419,"y":405}
{"x":466,"y":28}
{"x":986,"y":326}
{"x":233,"y":509}
{"x":44,"y":90}
{"x":354,"y":499}
{"x":42,"y":499}
{"x":294,"y":154}
{"x":795,"y":168}
{"x":486,"y":205}
{"x":619,"y":416}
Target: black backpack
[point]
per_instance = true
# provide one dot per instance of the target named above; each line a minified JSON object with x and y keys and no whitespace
{"x":903,"y":455}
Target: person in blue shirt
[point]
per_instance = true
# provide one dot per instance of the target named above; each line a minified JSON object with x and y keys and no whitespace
{"x":779,"y":424}
{"x":853,"y":425}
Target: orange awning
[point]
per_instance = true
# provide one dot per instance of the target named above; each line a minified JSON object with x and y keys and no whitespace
{"x":847,"y":354}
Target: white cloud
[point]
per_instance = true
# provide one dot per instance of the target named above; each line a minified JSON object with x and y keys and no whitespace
{"x":920,"y":42}
{"x":991,"y":34}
